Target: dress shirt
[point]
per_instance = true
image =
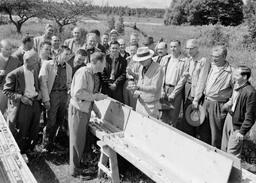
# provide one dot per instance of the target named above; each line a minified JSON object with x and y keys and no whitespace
{"x":172,"y":72}
{"x":30,"y":90}
{"x":219,"y":83}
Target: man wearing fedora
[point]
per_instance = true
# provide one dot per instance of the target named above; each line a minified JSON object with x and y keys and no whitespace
{"x":147,"y":90}
{"x":174,"y":67}
{"x":197,"y":64}
{"x":242,"y":108}
{"x":216,"y":85}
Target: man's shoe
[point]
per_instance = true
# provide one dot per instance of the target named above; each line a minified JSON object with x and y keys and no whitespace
{"x":82,"y":174}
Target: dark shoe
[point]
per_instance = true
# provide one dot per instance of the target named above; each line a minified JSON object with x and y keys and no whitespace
{"x":82,"y":174}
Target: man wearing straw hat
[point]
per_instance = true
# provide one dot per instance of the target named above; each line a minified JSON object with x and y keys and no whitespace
{"x":147,"y":90}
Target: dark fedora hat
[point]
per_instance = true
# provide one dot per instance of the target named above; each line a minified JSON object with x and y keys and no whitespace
{"x":195,"y":117}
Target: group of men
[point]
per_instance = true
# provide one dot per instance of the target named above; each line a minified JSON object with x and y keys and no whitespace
{"x":45,"y":76}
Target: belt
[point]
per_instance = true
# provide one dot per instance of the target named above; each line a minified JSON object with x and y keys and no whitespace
{"x":130,"y":79}
{"x":168,"y":85}
{"x":59,"y":90}
{"x":214,"y":100}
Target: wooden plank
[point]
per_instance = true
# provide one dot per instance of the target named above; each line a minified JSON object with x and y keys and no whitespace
{"x":114,"y":114}
{"x":181,"y":154}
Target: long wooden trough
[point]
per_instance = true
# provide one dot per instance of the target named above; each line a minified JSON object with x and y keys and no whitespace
{"x":13,"y":168}
{"x":163,"y":153}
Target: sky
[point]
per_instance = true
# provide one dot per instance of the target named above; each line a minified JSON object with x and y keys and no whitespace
{"x":134,"y":3}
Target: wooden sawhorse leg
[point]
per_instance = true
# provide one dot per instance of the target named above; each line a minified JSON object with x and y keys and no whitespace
{"x":108,"y":157}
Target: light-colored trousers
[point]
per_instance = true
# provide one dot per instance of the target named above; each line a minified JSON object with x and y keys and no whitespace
{"x":229,"y":142}
{"x":78,"y":126}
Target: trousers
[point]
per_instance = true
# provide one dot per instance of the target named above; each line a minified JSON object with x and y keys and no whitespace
{"x":78,"y":126}
{"x":28,"y":120}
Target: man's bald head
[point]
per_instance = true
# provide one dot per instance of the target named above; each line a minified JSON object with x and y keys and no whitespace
{"x":192,"y":46}
{"x":6,"y":47}
{"x":30,"y":59}
{"x":77,"y":33}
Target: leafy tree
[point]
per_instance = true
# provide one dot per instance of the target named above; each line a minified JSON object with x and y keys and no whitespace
{"x":20,"y":11}
{"x":67,"y":12}
{"x":200,"y":12}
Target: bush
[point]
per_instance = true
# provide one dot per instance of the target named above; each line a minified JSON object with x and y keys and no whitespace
{"x":213,"y":36}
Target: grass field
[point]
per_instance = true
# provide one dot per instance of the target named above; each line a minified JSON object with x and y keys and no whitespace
{"x":52,"y":171}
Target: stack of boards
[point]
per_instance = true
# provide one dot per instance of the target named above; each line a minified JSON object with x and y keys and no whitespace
{"x":13,"y":168}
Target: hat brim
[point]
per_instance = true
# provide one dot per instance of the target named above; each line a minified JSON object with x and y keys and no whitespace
{"x":141,"y":59}
{"x":200,"y":112}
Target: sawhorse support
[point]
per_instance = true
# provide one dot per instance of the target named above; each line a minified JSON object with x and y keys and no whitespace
{"x":108,"y":163}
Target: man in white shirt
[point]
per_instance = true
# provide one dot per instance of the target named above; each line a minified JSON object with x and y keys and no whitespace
{"x":172,"y":92}
{"x":22,"y":90}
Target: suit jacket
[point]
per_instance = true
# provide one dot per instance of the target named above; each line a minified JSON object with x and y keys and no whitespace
{"x":19,"y":54}
{"x":70,"y":43}
{"x":244,"y":115}
{"x":150,"y":84}
{"x":47,"y":76}
{"x":120,"y":77}
{"x":12,"y":64}
{"x":14,"y":89}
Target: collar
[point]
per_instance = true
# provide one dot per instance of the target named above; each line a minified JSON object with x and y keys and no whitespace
{"x":61,"y":65}
{"x":5,"y":58}
{"x":226,"y":67}
{"x":237,"y":86}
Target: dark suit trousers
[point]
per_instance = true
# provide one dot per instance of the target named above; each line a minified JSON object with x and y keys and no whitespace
{"x":211,"y":129}
{"x":28,"y":124}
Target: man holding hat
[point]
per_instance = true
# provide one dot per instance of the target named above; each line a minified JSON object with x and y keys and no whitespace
{"x":216,"y":84}
{"x":147,"y":89}
{"x":24,"y":95}
{"x":197,"y":64}
{"x":242,"y":107}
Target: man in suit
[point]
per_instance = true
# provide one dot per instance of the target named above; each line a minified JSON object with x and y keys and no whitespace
{"x":55,"y":80}
{"x":27,"y":44}
{"x":22,"y":90}
{"x":124,"y":54}
{"x":56,"y":48}
{"x":77,"y":41}
{"x":7,"y":64}
{"x":161,"y":51}
{"x":104,"y":41}
{"x":147,"y":90}
{"x":242,"y":107}
{"x":46,"y":37}
{"x":114,"y":74}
